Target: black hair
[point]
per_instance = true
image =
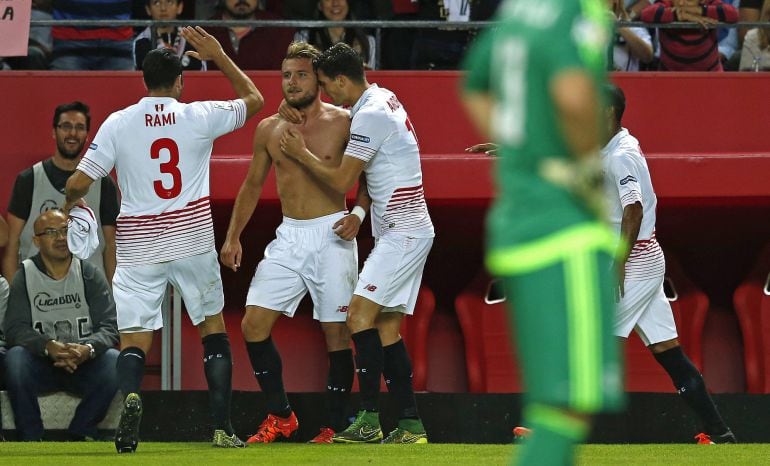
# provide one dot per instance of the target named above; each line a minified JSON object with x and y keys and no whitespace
{"x":322,"y":39}
{"x":615,"y":99}
{"x":341,"y":59}
{"x":160,"y":69}
{"x":76,"y":106}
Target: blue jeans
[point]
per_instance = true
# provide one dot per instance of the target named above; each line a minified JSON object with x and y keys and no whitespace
{"x":28,"y":375}
{"x":94,"y":55}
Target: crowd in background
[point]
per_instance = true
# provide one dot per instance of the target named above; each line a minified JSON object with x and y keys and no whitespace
{"x":262,"y":48}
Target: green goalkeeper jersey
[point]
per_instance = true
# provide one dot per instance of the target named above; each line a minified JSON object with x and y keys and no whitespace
{"x":514,"y":62}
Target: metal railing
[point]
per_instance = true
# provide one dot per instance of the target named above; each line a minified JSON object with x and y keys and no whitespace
{"x":377,"y":25}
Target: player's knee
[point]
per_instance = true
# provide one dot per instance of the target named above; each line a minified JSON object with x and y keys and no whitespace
{"x":255,"y":327}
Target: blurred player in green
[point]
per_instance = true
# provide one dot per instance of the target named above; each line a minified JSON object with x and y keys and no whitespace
{"x":533,"y":87}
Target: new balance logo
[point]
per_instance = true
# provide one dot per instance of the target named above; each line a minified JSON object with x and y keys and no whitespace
{"x":371,"y":288}
{"x":342,"y":309}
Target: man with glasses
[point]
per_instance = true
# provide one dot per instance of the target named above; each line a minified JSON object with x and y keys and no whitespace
{"x":41,"y":188}
{"x":61,"y":328}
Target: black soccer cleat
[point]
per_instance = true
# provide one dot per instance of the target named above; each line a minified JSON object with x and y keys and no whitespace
{"x":127,"y":434}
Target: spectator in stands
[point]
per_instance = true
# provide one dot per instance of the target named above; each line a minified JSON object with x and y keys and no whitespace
{"x":338,"y":10}
{"x":442,"y":48}
{"x":52,"y":288}
{"x":632,"y":44}
{"x":41,"y":188}
{"x":728,"y":43}
{"x":689,"y":49}
{"x":251,"y":48}
{"x":748,"y":11}
{"x":92,"y":48}
{"x":397,"y":44}
{"x":642,"y":304}
{"x":306,"y":256}
{"x":755,"y":55}
{"x":156,"y":37}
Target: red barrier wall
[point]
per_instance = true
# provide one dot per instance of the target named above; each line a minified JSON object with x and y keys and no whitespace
{"x":705,"y":136}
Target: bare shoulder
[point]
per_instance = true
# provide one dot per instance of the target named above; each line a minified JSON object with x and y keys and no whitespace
{"x":266,"y":127}
{"x":335,"y":115}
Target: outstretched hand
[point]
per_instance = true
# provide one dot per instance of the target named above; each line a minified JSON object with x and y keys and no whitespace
{"x":489,"y":148}
{"x":206,"y":46}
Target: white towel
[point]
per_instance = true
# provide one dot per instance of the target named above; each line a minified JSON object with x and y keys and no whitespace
{"x":82,"y":234}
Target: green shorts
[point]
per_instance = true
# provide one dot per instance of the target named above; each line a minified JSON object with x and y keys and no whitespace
{"x":560,"y":290}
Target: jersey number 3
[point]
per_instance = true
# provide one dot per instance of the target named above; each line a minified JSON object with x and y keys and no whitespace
{"x":169,"y":168}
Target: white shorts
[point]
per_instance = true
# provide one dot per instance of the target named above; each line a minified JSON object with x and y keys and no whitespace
{"x":307,"y":256}
{"x":644,"y":308}
{"x":139,"y":291}
{"x":393,"y":271}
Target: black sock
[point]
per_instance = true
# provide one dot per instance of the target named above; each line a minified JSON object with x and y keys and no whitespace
{"x":130,"y":370}
{"x":691,"y":387}
{"x":369,"y":367}
{"x":338,"y":385}
{"x":268,"y":369}
{"x":218,"y":366}
{"x":398,"y":378}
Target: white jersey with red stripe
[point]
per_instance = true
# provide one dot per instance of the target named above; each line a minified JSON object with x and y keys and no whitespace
{"x":628,"y":181}
{"x":160,"y":149}
{"x":382,"y":136}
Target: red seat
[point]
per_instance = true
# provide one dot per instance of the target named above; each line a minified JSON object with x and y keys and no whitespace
{"x":489,"y":357}
{"x":690,"y":306}
{"x":752,"y":306}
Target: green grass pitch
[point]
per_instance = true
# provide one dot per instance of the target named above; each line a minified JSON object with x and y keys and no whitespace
{"x":200,"y":454}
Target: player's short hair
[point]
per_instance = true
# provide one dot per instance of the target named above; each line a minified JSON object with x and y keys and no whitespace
{"x":160,"y":69}
{"x":615,"y":99}
{"x":302,"y":50}
{"x":340,"y":59}
{"x":76,"y":106}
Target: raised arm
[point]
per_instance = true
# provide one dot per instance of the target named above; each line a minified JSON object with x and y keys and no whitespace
{"x":208,"y":48}
{"x":247,"y":198}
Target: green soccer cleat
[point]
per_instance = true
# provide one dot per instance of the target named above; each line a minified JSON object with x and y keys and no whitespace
{"x":222,"y":440}
{"x":127,"y":434}
{"x":365,"y":429}
{"x":399,"y":435}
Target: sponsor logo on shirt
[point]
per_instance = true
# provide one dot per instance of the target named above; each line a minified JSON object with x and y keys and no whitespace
{"x":224,"y":105}
{"x":627,"y":180}
{"x":44,"y":302}
{"x":342,"y":309}
{"x":92,"y":146}
{"x":359,"y":138}
{"x":371,"y":288}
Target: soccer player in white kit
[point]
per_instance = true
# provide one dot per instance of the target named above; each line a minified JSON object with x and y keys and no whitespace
{"x":314,"y":250}
{"x":160,"y":149}
{"x":642,"y":305}
{"x":384,"y":146}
